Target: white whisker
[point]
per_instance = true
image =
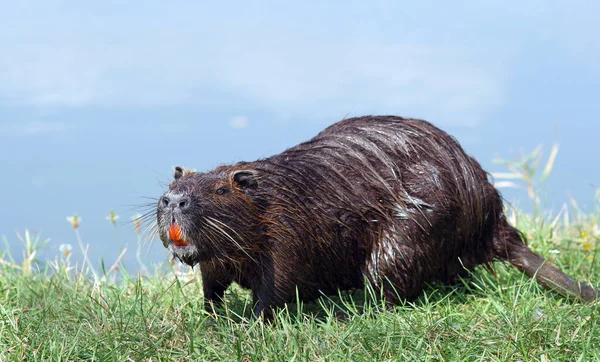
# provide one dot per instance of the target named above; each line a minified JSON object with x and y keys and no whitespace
{"x":213,"y":222}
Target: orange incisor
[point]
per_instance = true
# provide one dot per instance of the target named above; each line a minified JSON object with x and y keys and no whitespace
{"x":176,"y":235}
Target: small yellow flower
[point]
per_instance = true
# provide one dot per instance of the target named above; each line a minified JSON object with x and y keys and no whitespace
{"x":137,"y":223}
{"x":75,"y":220}
{"x":587,"y":246}
{"x":112,"y":217}
{"x":65,"y":249}
{"x":584,"y":235}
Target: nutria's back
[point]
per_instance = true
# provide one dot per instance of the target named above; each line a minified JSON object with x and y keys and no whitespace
{"x":393,"y":200}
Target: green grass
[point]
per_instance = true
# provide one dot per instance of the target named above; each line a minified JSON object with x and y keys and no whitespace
{"x":62,"y":314}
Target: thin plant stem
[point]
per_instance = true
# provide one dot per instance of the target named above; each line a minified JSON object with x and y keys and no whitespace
{"x":84,"y":252}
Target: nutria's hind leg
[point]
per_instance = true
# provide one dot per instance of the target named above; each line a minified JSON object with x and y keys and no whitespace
{"x":510,"y":246}
{"x":395,"y":271}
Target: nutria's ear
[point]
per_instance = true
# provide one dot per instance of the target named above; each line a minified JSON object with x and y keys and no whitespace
{"x":178,"y":172}
{"x":245,"y":179}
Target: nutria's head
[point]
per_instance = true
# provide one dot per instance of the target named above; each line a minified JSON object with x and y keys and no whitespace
{"x":210,"y":215}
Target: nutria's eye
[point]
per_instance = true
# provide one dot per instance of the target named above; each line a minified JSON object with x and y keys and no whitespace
{"x":222,"y":191}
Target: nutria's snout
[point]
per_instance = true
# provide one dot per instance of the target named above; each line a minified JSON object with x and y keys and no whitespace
{"x":175,"y":201}
{"x":172,"y":221}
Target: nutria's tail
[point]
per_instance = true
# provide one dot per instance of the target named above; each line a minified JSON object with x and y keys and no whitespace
{"x":512,"y":247}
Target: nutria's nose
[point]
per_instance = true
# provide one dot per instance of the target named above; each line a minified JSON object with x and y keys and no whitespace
{"x":175,"y":201}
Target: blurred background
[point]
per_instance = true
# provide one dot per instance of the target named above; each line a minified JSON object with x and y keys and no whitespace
{"x":99,"y":100}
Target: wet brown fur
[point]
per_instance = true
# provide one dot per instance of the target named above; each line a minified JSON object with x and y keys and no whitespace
{"x":391,"y":200}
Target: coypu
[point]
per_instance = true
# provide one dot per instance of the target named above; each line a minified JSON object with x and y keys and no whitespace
{"x":392,"y":200}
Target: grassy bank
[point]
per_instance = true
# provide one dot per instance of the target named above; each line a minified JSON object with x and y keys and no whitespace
{"x":61,"y":313}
